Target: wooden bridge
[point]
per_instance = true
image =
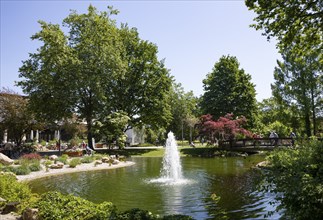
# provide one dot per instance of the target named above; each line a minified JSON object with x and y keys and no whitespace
{"x":256,"y":144}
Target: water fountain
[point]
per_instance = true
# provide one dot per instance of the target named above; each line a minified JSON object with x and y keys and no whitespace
{"x":171,"y":172}
{"x":172,"y":168}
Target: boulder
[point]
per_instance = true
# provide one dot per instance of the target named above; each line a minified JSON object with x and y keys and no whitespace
{"x":115,"y":162}
{"x":5,"y":160}
{"x":53,"y":157}
{"x":58,"y":165}
{"x":10,"y":207}
{"x":30,"y":214}
{"x":97,"y":162}
{"x":105,"y":159}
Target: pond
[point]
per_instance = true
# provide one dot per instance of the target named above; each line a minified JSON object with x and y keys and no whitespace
{"x":231,"y":179}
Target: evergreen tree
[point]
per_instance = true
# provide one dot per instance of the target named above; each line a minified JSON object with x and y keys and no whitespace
{"x":229,"y":89}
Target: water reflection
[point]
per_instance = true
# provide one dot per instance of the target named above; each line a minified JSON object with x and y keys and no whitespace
{"x":229,"y":178}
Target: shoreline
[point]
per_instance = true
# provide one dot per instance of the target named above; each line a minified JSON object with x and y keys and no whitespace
{"x":84,"y":167}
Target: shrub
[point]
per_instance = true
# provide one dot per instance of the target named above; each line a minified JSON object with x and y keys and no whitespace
{"x":296,"y":176}
{"x":13,"y":191}
{"x":56,"y":206}
{"x":87,"y":159}
{"x":18,"y":170}
{"x":35,"y":166}
{"x":74,"y":162}
{"x":136,"y":214}
{"x":63,"y":158}
{"x":31,"y":156}
{"x":177,"y":217}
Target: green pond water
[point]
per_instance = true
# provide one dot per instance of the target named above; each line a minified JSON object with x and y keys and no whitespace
{"x":231,"y":179}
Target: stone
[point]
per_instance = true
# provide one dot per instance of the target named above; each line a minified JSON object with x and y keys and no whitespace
{"x":105,"y":159}
{"x":97,"y":162}
{"x":5,"y":160}
{"x":53,"y":157}
{"x":10,"y":207}
{"x":58,"y":165}
{"x":30,"y":214}
{"x":115,"y":162}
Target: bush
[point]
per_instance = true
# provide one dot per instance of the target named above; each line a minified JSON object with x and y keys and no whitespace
{"x":31,"y":156}
{"x":13,"y":191}
{"x":296,"y":176}
{"x":35,"y":166}
{"x":56,"y":206}
{"x":74,"y":162}
{"x":18,"y":170}
{"x":139,"y":214}
{"x":63,"y":158}
{"x":177,"y":217}
{"x":135,"y":214}
{"x":87,"y":159}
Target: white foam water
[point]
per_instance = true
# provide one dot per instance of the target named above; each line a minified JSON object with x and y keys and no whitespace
{"x":171,"y":172}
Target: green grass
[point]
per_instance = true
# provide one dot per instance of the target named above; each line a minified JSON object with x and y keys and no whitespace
{"x":151,"y":153}
{"x":161,"y":151}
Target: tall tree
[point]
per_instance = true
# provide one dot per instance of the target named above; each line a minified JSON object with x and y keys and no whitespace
{"x":291,"y":21}
{"x":95,"y":70}
{"x":68,"y":74}
{"x":272,"y":111}
{"x":183,"y":105}
{"x":143,"y":91}
{"x":299,"y":81}
{"x":229,"y":89}
{"x":14,"y":115}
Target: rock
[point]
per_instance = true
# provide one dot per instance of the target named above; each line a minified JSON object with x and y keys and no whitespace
{"x":115,"y":162}
{"x":10,"y":216}
{"x":58,"y":165}
{"x":53,"y":157}
{"x":263,"y":164}
{"x":30,"y":214}
{"x":97,"y":162}
{"x":8,"y":146}
{"x":105,"y":159}
{"x":10,"y":207}
{"x":5,"y":160}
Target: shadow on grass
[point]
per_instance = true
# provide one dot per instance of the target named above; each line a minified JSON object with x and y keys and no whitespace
{"x":126,"y":152}
{"x":200,"y":152}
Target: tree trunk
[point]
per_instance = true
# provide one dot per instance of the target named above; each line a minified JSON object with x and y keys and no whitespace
{"x":89,"y":132}
{"x":313,"y":111}
{"x":308,"y":124}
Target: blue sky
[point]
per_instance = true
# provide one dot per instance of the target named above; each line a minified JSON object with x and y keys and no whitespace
{"x":190,"y":35}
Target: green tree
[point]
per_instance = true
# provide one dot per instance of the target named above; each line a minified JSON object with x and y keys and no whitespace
{"x":229,"y":89}
{"x":299,"y":82}
{"x":271,"y":112}
{"x":142,"y":92}
{"x":15,"y":116}
{"x":95,"y":70}
{"x":296,"y":178}
{"x":69,"y":74}
{"x":183,"y":104}
{"x":112,"y":127}
{"x":291,"y":21}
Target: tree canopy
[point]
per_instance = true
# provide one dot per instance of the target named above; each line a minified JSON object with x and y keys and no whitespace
{"x":291,"y":21}
{"x":228,"y":89}
{"x":299,"y":82}
{"x":183,"y":107}
{"x":224,"y":128}
{"x":14,"y":115}
{"x":93,"y":70}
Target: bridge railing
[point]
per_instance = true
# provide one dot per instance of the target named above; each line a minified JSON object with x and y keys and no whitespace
{"x":257,"y":142}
